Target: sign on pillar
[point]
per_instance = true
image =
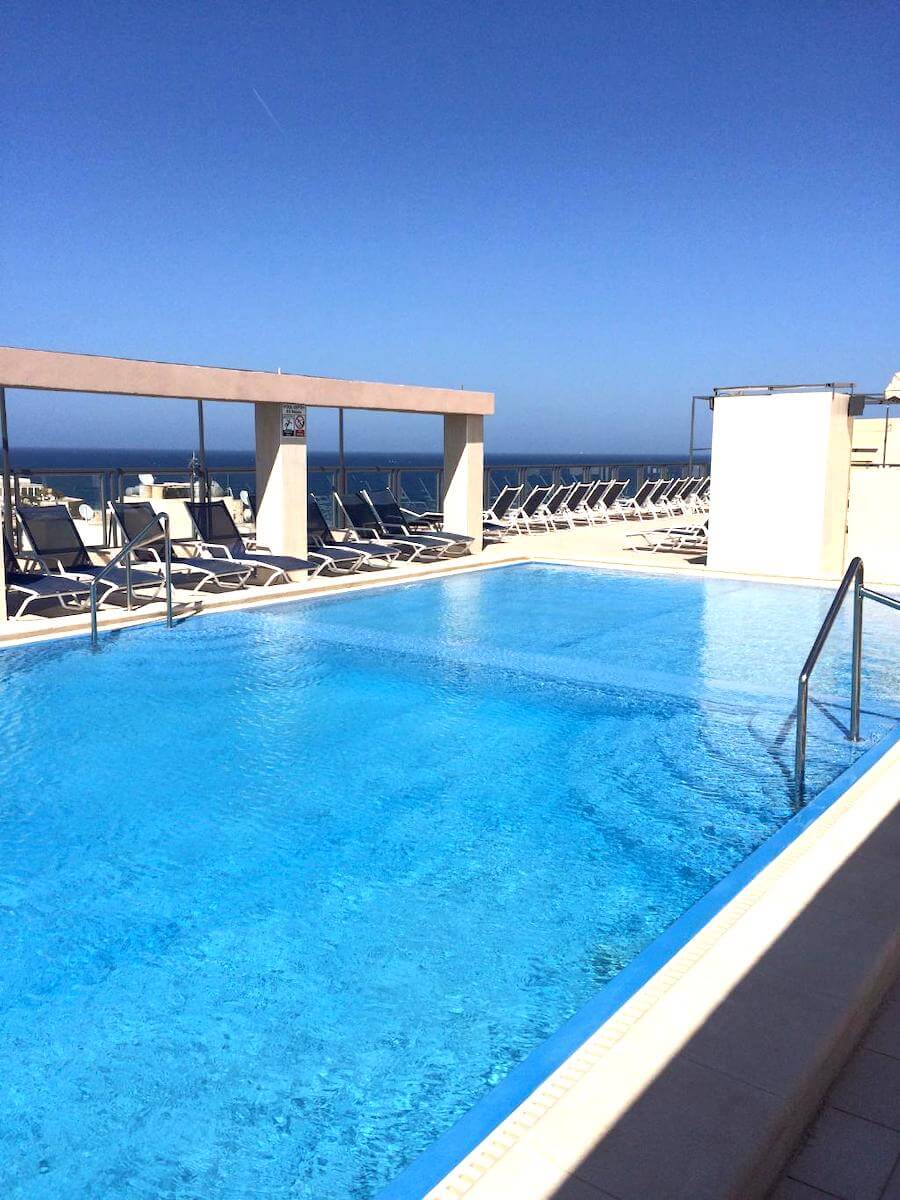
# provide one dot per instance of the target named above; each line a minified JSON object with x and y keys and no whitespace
{"x":293,"y":421}
{"x":281,"y":477}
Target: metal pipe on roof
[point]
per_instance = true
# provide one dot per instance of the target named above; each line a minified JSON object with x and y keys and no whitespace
{"x":342,"y":465}
{"x":201,"y":454}
{"x":7,"y":485}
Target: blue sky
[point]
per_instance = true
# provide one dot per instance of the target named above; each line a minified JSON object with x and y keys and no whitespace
{"x":591,"y":209}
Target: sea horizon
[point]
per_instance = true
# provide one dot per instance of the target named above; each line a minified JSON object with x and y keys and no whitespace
{"x":110,"y":458}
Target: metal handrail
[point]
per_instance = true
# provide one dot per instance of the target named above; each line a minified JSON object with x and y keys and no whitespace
{"x":149,"y":533}
{"x":854,"y":576}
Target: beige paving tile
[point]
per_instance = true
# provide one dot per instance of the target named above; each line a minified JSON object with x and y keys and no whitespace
{"x":869,"y":881}
{"x":869,"y":1087}
{"x":832,"y":950}
{"x":690,"y":1116}
{"x":741,"y":1039}
{"x":847,"y":1156}
{"x":884,"y":1035}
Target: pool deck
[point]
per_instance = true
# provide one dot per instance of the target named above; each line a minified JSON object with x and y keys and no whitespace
{"x":601,"y":545}
{"x":700,"y":1086}
{"x":852,"y":1148}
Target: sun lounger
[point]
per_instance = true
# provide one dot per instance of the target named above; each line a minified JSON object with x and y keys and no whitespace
{"x":190,"y":573}
{"x":219,"y":538}
{"x":590,"y":511}
{"x":59,"y":549}
{"x":554,"y":507}
{"x":27,"y":587}
{"x":609,"y":504}
{"x":363,"y":520}
{"x":494,"y":520}
{"x":321,"y":535}
{"x":528,"y":515}
{"x":676,"y":537}
{"x":390,"y":516}
{"x":578,"y":493}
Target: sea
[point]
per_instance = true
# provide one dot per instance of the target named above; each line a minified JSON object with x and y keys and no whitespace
{"x":93,"y":475}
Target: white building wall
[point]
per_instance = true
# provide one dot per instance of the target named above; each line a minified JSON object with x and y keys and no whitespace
{"x":873,"y":522}
{"x":780,"y":479}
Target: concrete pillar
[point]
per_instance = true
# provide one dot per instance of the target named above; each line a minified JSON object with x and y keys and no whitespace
{"x":281,"y":478}
{"x":780,"y":483}
{"x":464,"y":476}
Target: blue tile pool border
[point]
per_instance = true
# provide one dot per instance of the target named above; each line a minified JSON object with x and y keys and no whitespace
{"x":450,"y":1148}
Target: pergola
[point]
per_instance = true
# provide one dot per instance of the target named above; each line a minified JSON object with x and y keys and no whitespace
{"x":279,"y":402}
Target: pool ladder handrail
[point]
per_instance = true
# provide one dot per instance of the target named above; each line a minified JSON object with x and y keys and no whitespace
{"x":150,"y":533}
{"x":854,"y":576}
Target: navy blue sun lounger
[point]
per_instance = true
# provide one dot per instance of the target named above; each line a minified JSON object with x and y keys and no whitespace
{"x":59,"y":549}
{"x":24,"y":588}
{"x":322,"y":536}
{"x":189,"y":573}
{"x":363,"y":519}
{"x":391,"y":518}
{"x":220,"y":538}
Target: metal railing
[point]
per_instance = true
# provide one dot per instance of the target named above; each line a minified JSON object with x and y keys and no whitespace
{"x":150,"y":533}
{"x":418,"y":486}
{"x":854,"y":577}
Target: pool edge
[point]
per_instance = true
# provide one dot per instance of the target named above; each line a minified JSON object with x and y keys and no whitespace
{"x":460,"y":1162}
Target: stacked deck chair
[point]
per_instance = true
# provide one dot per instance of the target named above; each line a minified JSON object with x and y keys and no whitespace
{"x":676,"y":537}
{"x":363,"y":520}
{"x":26,"y":587}
{"x":189,"y":573}
{"x":59,"y":549}
{"x":219,"y":538}
{"x":321,"y":535}
{"x":494,"y":520}
{"x":391,"y":518}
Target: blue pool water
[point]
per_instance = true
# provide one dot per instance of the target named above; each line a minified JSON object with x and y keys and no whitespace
{"x":284,"y":892}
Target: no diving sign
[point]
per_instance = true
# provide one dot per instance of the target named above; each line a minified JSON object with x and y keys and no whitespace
{"x":293,"y":420}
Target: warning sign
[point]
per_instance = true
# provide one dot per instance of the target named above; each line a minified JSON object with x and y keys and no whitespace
{"x":293,"y":420}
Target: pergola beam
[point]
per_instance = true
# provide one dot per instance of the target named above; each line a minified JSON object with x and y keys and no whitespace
{"x":55,"y":371}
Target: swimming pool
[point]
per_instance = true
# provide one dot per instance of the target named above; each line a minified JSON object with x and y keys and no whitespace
{"x":284,"y":892}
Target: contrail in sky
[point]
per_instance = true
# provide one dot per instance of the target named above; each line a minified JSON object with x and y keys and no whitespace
{"x":268,"y":111}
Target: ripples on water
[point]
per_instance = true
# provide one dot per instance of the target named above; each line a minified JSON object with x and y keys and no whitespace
{"x":283,"y":892}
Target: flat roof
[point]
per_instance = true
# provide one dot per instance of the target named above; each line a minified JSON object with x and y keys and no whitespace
{"x":56,"y":371}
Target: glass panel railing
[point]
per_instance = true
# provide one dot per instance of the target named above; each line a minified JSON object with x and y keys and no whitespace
{"x":417,"y":487}
{"x":420,"y":488}
{"x":497,"y":479}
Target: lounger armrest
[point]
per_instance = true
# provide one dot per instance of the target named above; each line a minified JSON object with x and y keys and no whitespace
{"x":215,"y":550}
{"x":29,"y":563}
{"x":428,"y":519}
